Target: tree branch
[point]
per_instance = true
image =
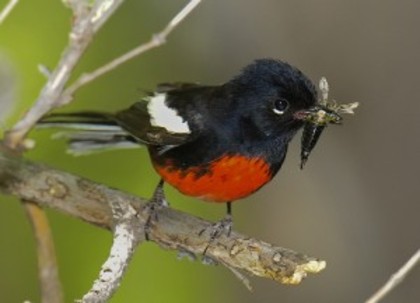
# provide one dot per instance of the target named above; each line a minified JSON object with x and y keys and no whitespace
{"x":7,"y":10}
{"x":156,"y":41}
{"x":396,"y":278}
{"x":86,"y":23}
{"x":88,"y":17}
{"x":51,"y":290}
{"x":128,"y":233}
{"x":174,"y":230}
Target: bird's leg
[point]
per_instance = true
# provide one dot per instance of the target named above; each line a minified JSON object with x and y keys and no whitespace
{"x":157,"y":202}
{"x":217,"y":229}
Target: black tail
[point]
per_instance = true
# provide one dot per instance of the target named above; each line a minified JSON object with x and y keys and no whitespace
{"x":88,"y":132}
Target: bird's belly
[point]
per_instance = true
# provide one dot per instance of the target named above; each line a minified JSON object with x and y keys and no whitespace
{"x":225,"y":179}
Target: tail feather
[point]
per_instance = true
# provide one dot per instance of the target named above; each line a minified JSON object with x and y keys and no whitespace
{"x":79,"y":120}
{"x":89,"y":132}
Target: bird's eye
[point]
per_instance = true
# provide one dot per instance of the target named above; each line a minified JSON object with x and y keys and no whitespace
{"x":280,"y":106}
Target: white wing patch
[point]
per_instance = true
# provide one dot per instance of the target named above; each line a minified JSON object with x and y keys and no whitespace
{"x":163,"y":116}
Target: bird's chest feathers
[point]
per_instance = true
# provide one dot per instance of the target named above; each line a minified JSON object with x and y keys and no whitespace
{"x":228,"y":178}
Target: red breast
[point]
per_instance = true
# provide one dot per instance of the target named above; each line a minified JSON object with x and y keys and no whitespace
{"x":227,"y":179}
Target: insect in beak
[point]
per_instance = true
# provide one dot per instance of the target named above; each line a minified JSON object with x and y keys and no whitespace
{"x":318,"y":117}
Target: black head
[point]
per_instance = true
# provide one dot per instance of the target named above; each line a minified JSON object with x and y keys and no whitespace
{"x":272,"y":95}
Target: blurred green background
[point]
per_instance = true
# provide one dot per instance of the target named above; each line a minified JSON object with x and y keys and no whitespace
{"x":356,"y":204}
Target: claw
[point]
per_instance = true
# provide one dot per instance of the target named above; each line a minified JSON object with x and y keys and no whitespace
{"x":209,"y":261}
{"x":185,"y":254}
{"x":158,"y":201}
{"x":219,"y":228}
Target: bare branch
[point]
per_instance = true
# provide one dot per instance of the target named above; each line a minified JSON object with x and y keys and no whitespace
{"x":128,"y":233}
{"x":51,"y":291}
{"x":86,"y":24}
{"x":84,"y":27}
{"x":396,"y":279}
{"x":175,"y":230}
{"x":156,"y":41}
{"x":102,"y":10}
{"x":7,"y":10}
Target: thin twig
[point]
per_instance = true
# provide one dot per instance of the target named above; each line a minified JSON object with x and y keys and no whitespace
{"x":396,"y":279}
{"x":84,"y":27}
{"x":156,"y":41}
{"x":7,"y":9}
{"x":52,"y":95}
{"x":51,"y":290}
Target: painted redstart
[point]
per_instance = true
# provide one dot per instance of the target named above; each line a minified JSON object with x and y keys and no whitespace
{"x":218,"y":143}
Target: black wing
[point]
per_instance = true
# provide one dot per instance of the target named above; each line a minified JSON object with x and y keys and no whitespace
{"x":183,"y":99}
{"x":91,"y":131}
{"x":136,"y":120}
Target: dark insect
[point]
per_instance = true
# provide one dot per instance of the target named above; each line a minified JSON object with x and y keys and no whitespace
{"x":310,"y":136}
{"x":316,"y":121}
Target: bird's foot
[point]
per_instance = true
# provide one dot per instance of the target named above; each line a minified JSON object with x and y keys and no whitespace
{"x":157,"y":202}
{"x":217,"y":229}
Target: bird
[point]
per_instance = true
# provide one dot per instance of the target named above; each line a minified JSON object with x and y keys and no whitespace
{"x":218,"y":143}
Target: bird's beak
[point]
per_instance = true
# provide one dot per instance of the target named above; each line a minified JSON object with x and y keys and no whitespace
{"x":318,"y":115}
